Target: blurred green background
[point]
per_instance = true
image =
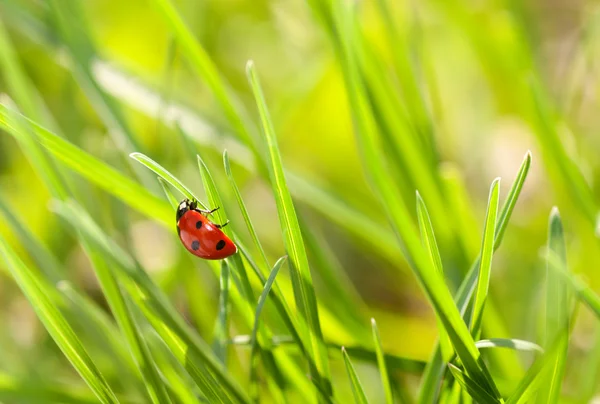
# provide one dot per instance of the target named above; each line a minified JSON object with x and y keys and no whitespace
{"x":477,"y":64}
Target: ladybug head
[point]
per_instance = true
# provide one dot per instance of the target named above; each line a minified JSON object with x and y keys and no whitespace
{"x":184,"y":206}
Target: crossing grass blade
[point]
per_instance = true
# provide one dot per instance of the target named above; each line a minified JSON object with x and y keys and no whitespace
{"x":485,"y":266}
{"x":476,"y":391}
{"x":511,"y":343}
{"x":383,"y":372}
{"x":119,"y":307}
{"x":557,"y":313}
{"x":91,"y":168}
{"x":430,"y":244}
{"x":36,"y":291}
{"x":164,"y":174}
{"x":170,"y":197}
{"x":221,"y":332}
{"x":191,"y":351}
{"x":243,"y":210}
{"x":299,"y":268}
{"x":357,"y":390}
{"x":253,"y":336}
{"x":434,"y":372}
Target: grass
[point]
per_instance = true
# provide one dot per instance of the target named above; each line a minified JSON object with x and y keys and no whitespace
{"x":389,"y":223}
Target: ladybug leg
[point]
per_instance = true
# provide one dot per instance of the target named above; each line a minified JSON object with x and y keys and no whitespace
{"x":208,"y":212}
{"x":220,"y":226}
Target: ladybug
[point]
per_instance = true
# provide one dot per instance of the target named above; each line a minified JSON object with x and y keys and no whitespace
{"x":199,"y":235}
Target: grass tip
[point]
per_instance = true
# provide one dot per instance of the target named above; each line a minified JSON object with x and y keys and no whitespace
{"x":373,"y":322}
{"x":554,"y":213}
{"x":249,"y":66}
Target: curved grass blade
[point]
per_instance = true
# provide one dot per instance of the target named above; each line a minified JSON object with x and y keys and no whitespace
{"x":91,"y":168}
{"x":485,"y":266}
{"x":221,"y":333}
{"x":170,"y":197}
{"x":557,"y":313}
{"x":35,"y":291}
{"x":510,"y":343}
{"x":435,"y":368}
{"x":476,"y":391}
{"x":191,"y":351}
{"x":243,"y":209}
{"x":124,"y":317}
{"x":357,"y":389}
{"x":165,"y":175}
{"x":300,"y":271}
{"x":430,"y":244}
{"x":253,"y":336}
{"x":383,"y":372}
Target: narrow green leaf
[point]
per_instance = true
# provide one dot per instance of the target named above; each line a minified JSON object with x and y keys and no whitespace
{"x":357,"y":389}
{"x":243,"y":209}
{"x":434,"y":372}
{"x":124,"y":316}
{"x":164,"y":174}
{"x":476,"y":391}
{"x":191,"y":351}
{"x":430,"y":244}
{"x":511,"y":343}
{"x":385,"y":379}
{"x":299,"y":268}
{"x":36,"y":292}
{"x":91,"y":168}
{"x":253,"y":336}
{"x":485,"y":266}
{"x":165,"y":186}
{"x":557,"y":313}
{"x":221,"y":333}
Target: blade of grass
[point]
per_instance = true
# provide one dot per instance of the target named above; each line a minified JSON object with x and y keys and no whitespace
{"x":221,"y":333}
{"x":557,"y":316}
{"x":36,"y":292}
{"x":476,"y":391}
{"x":165,"y":175}
{"x":383,"y":373}
{"x":435,"y":368}
{"x":253,"y":336}
{"x":91,"y":168}
{"x":485,"y":266}
{"x":357,"y":389}
{"x":511,"y":343}
{"x":192,"y":352}
{"x":299,"y":268}
{"x":430,"y":244}
{"x":124,"y":316}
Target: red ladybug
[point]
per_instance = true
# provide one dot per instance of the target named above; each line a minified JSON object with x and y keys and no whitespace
{"x":199,"y":235}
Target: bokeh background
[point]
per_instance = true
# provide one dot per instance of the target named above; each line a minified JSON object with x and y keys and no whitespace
{"x":474,"y":62}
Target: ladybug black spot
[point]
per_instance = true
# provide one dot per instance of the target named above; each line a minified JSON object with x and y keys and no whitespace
{"x":195,"y":245}
{"x":199,"y":224}
{"x":220,"y":245}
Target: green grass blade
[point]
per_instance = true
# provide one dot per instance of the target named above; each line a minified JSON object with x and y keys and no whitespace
{"x":221,"y":333}
{"x":88,"y":166}
{"x":476,"y":391}
{"x":357,"y":389}
{"x":124,"y":316}
{"x":485,"y":266}
{"x":557,"y":313}
{"x":36,"y":292}
{"x":434,"y":372}
{"x":430,"y":244}
{"x":204,"y":68}
{"x":510,"y":343}
{"x":165,"y":187}
{"x":243,"y":209}
{"x":383,"y":372}
{"x":192,"y":352}
{"x":299,"y":268}
{"x":253,"y":336}
{"x":164,"y":174}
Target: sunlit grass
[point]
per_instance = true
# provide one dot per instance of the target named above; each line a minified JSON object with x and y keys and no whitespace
{"x":288,"y":318}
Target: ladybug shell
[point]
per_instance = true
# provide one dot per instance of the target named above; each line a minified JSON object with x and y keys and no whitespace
{"x":203,"y":238}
